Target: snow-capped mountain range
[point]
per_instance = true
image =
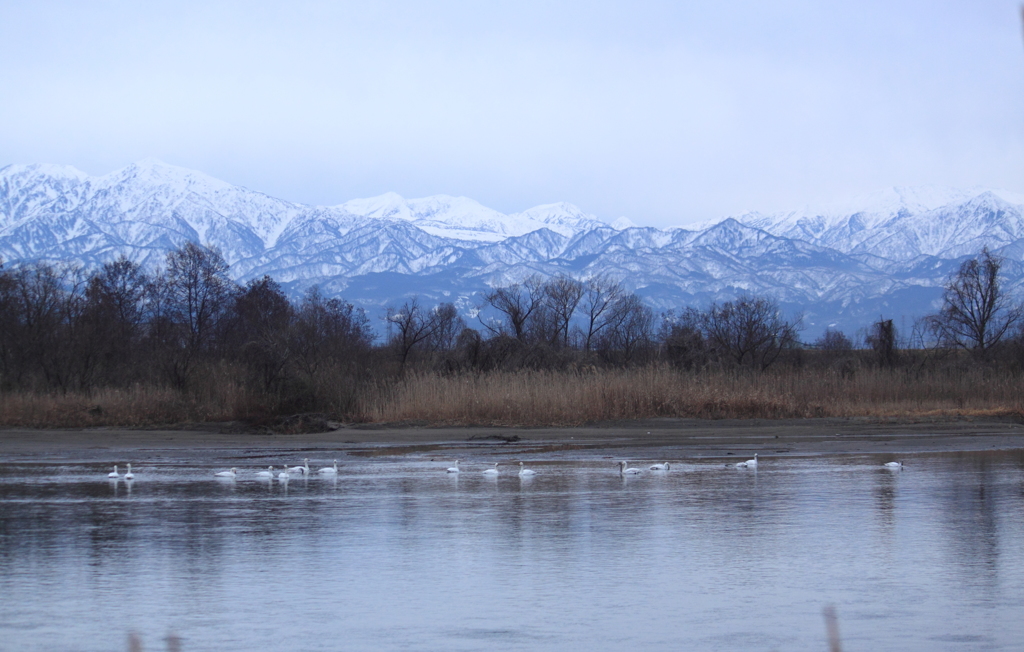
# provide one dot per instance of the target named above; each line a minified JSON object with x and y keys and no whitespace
{"x":844,"y":265}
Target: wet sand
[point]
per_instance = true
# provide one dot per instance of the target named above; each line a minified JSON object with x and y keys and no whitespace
{"x":648,"y":439}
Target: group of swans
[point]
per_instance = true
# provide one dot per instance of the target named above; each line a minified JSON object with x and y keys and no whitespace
{"x":524,"y":472}
{"x":113,"y":475}
{"x":286,"y":473}
{"x":304,"y":470}
{"x":626,"y":469}
{"x":493,"y":470}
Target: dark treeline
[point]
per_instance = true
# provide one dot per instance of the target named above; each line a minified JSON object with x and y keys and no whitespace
{"x":188,"y":325}
{"x":180,"y":327}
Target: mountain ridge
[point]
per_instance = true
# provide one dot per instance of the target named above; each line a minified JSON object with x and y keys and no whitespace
{"x":837,"y":266}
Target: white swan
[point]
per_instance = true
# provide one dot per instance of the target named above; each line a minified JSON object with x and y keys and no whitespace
{"x":491,"y":471}
{"x":283,"y":475}
{"x":269,"y":473}
{"x":330,"y":470}
{"x":454,"y":469}
{"x":113,"y":474}
{"x":893,"y":465}
{"x":129,"y":475}
{"x":301,"y":470}
{"x":628,"y":470}
{"x":749,"y":464}
{"x":226,"y":474}
{"x":660,"y":467}
{"x":525,"y":472}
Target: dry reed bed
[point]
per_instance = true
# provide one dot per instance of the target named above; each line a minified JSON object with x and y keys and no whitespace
{"x":140,"y":406}
{"x":566,"y":399}
{"x":556,"y":398}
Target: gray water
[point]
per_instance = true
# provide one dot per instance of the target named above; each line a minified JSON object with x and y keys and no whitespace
{"x":396,"y":554}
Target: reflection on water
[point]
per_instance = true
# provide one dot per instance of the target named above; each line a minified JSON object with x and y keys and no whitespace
{"x":397,"y":554}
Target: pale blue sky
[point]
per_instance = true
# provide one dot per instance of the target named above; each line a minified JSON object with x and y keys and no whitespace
{"x":667,"y":113}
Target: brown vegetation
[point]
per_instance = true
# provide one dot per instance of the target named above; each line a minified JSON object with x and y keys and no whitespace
{"x":564,"y":398}
{"x":125,"y":348}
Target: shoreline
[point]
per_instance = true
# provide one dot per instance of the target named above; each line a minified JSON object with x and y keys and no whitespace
{"x":654,"y":438}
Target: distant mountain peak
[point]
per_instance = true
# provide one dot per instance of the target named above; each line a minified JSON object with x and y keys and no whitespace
{"x":43,"y":169}
{"x":886,"y":252}
{"x":154,"y":172}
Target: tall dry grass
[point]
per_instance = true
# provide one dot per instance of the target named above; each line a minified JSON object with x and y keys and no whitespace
{"x":556,"y":398}
{"x":134,"y":407}
{"x":564,"y":398}
{"x":217,"y":399}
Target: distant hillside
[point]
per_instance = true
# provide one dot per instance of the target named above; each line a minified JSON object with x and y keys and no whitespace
{"x":841,"y":266}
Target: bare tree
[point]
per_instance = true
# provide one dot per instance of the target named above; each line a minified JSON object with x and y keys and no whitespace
{"x":43,"y":326}
{"x":882,"y":340}
{"x":833,"y":341}
{"x":328,"y":333}
{"x":119,"y":290}
{"x":412,"y":325}
{"x":599,"y":296}
{"x":199,"y":289}
{"x":260,"y":333}
{"x":976,"y":313}
{"x":189,"y":300}
{"x":629,"y":331}
{"x":113,"y":318}
{"x":448,"y":325}
{"x":682,"y":339}
{"x":562,"y":295}
{"x":750,"y":330}
{"x":517,"y":302}
{"x":9,"y":327}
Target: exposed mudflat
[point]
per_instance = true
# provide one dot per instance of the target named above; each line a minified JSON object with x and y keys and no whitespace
{"x":656,"y":438}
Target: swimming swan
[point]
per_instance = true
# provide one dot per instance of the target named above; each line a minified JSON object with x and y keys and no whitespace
{"x":492,"y":471}
{"x":129,"y":475}
{"x":113,"y":474}
{"x":329,"y":470}
{"x":269,"y":473}
{"x":301,"y":470}
{"x":525,"y":472}
{"x":283,"y":475}
{"x":749,"y":464}
{"x":226,"y":474}
{"x":454,"y":469}
{"x":660,"y":467}
{"x":628,"y":470}
{"x":888,"y":465}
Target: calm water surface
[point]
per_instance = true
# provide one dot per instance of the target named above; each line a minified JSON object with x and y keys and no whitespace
{"x":395,"y":554}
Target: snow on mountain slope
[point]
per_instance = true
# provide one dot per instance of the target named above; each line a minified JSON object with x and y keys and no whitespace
{"x":902,"y":223}
{"x":889,"y":251}
{"x":201,"y":200}
{"x":561,"y":218}
{"x":29,"y":192}
{"x":148,"y":205}
{"x":466,"y":219}
{"x":49,"y":212}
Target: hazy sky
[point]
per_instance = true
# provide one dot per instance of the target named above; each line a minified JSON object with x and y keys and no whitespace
{"x":667,"y":113}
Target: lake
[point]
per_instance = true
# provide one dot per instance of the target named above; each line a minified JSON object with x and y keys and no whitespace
{"x":396,"y":554}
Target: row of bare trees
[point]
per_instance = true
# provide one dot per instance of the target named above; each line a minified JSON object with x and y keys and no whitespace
{"x":562,"y":321}
{"x":748,"y":332}
{"x":62,"y":331}
{"x":977,"y":317}
{"x":562,"y":312}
